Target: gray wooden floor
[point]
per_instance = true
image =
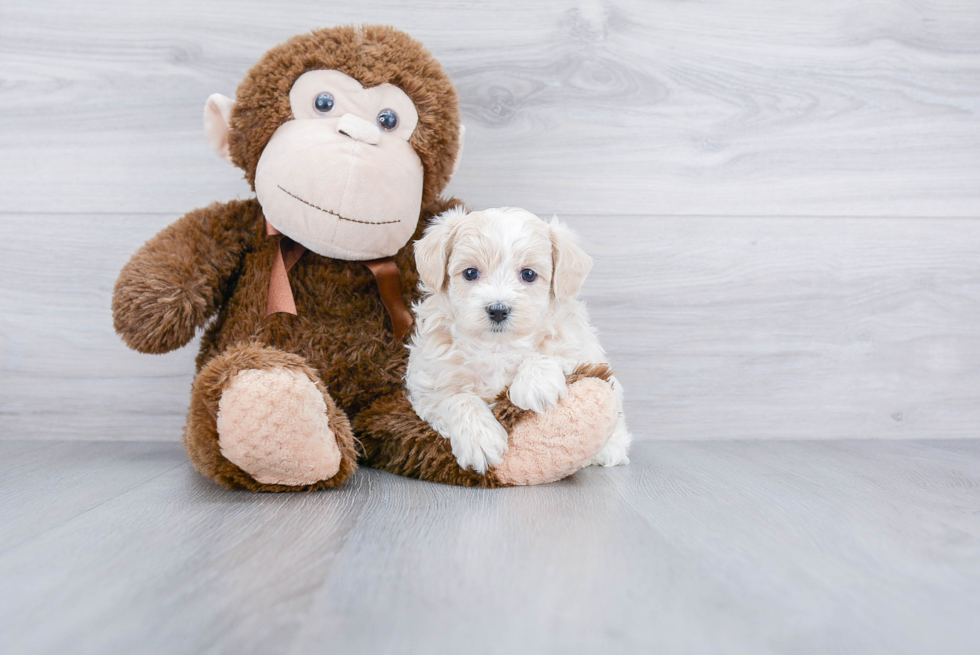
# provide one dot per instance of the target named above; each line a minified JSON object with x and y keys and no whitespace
{"x":697,"y":547}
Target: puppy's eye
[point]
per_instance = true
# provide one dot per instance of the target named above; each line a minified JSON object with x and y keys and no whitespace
{"x":470,"y":274}
{"x":324,"y":103}
{"x":528,"y":275}
{"x":387,"y":120}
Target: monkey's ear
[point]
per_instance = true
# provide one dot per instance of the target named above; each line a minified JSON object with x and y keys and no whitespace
{"x":571,"y":263}
{"x":432,"y":250}
{"x":459,"y":151}
{"x":217,"y":112}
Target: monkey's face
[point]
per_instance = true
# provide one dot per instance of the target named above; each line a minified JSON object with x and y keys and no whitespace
{"x":344,"y":133}
{"x":341,"y":177}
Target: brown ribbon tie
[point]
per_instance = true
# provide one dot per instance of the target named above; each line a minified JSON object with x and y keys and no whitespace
{"x":280,"y":293}
{"x":385,"y":272}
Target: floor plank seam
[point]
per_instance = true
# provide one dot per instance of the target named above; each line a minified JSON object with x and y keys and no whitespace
{"x":99,"y":504}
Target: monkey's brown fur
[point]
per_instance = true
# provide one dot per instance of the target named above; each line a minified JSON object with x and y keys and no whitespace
{"x":218,"y":259}
{"x":214,"y":265}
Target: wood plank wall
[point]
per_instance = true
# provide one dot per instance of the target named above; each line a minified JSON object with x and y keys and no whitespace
{"x":782,"y":199}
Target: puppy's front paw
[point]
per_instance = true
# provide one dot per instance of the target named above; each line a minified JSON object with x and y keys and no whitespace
{"x":538,"y":386}
{"x":479,"y":445}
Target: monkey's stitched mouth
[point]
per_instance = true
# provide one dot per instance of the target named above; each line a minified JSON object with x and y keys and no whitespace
{"x":327,"y":211}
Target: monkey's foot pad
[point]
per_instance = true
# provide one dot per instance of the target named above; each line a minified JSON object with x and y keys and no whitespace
{"x":273,"y":424}
{"x":553,"y":445}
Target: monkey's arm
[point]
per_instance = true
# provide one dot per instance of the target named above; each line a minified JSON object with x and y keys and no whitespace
{"x":177,"y":280}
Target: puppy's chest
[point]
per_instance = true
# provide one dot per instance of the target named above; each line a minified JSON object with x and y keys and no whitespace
{"x":491,"y":373}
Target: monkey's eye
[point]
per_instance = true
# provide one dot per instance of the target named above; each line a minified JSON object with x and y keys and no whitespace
{"x":388,"y":120}
{"x":470,"y":274}
{"x":528,"y":275}
{"x":324,"y":103}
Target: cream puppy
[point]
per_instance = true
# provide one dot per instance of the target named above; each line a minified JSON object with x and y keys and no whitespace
{"x":498,"y":310}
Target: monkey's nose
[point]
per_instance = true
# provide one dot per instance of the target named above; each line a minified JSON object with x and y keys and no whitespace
{"x":359,"y":129}
{"x":498,"y":312}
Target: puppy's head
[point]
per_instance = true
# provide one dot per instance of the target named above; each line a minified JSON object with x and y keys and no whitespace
{"x":500,"y":268}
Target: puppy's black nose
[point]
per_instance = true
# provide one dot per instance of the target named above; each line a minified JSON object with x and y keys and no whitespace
{"x":498,"y":312}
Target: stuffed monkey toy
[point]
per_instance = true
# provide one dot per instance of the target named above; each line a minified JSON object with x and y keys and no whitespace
{"x":347,"y":136}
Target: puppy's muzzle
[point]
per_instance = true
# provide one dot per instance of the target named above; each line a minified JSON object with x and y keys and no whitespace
{"x":498,"y":312}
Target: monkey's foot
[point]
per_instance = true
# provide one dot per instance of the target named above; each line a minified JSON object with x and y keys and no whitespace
{"x":274,"y":425}
{"x":553,"y":445}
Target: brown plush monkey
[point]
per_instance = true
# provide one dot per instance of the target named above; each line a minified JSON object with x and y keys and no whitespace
{"x":347,"y":135}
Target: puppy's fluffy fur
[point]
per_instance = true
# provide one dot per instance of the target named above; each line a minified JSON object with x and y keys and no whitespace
{"x":474,"y":337}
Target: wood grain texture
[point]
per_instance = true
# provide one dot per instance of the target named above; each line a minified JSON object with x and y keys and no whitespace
{"x":736,"y":547}
{"x":803,"y":328}
{"x":791,"y":328}
{"x":625,"y":107}
{"x":729,"y":166}
{"x":47,"y":483}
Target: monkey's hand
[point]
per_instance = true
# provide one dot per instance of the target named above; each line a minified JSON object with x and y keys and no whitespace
{"x":538,"y":385}
{"x":175,"y":282}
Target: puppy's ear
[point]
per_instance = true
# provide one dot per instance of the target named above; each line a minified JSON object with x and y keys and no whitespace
{"x":432,"y":250}
{"x":571,"y":263}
